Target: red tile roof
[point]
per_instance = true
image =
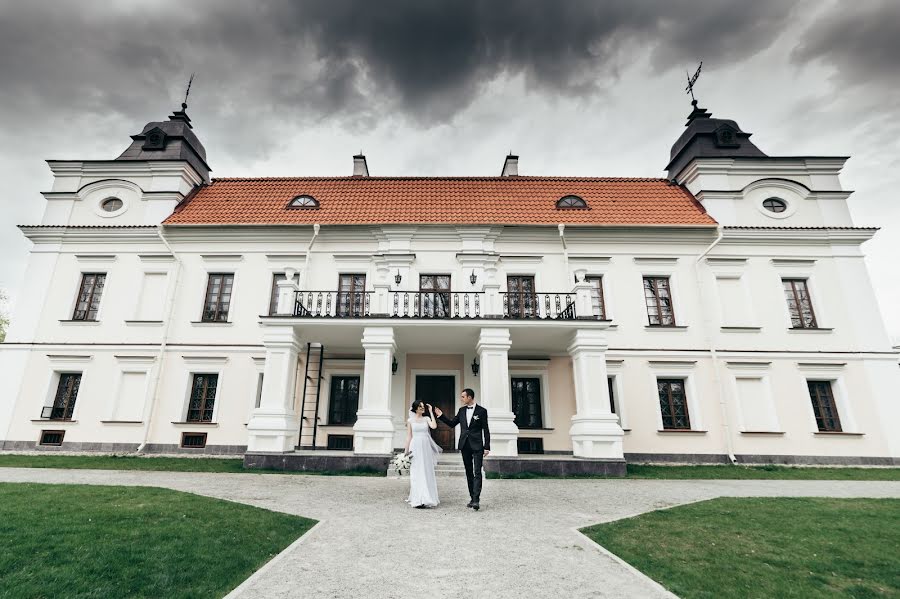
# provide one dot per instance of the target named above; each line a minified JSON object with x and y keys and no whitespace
{"x":447,"y":200}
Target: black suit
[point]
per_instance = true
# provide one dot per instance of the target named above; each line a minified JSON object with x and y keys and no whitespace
{"x":474,"y":439}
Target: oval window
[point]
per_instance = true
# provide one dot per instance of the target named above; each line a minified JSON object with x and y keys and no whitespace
{"x":111,"y":205}
{"x":776,"y":205}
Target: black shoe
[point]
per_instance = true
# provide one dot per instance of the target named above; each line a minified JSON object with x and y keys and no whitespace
{"x":420,"y":507}
{"x":475,"y":506}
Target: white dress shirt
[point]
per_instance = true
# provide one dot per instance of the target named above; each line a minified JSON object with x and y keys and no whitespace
{"x":469,"y":411}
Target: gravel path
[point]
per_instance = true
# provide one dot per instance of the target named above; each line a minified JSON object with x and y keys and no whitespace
{"x":522,"y":543}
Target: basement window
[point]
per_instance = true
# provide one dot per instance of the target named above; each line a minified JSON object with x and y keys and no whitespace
{"x":53,"y":438}
{"x":193,"y":440}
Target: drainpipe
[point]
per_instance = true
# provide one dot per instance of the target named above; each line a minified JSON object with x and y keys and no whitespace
{"x":305,"y":274}
{"x":562,"y":238}
{"x":170,"y":308}
{"x":708,"y":333}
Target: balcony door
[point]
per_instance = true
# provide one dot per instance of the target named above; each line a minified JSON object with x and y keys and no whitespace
{"x":351,"y":298}
{"x":521,"y":299}
{"x":434,"y":296}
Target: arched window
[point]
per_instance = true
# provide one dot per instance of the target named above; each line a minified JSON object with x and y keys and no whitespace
{"x":571,"y":202}
{"x":774,"y":205}
{"x":304,"y":202}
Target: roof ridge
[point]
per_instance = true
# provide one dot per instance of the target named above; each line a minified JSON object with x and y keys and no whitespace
{"x":447,"y":178}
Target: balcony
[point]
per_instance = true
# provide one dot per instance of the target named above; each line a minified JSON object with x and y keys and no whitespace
{"x":439,"y":305}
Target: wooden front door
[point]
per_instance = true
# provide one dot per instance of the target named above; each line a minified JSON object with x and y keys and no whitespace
{"x":440,"y":392}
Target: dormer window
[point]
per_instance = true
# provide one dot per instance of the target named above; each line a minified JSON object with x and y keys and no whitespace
{"x":111,"y":205}
{"x":776,"y":205}
{"x":304,"y":202}
{"x":569,"y":202}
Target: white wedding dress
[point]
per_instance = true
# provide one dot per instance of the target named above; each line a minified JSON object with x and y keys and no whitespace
{"x":425,"y":452}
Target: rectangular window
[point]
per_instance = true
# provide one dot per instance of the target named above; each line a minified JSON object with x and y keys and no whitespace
{"x":88,"y":302}
{"x":152,"y":297}
{"x":193,"y":440}
{"x":526,"y":402}
{"x":658,"y":296}
{"x":822,"y":397}
{"x":434,"y":294}
{"x":521,"y":300}
{"x":218,"y":297}
{"x":273,"y":298}
{"x":598,"y":306}
{"x":340,"y":442}
{"x":203,"y":398}
{"x":351,"y":295}
{"x":343,"y":400}
{"x":259,"y":387}
{"x":799,"y":303}
{"x":612,"y":395}
{"x":64,"y":401}
{"x":54,"y":438}
{"x":526,"y":445}
{"x":673,"y":404}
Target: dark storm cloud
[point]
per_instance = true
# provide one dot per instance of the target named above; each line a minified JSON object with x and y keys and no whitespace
{"x":347,"y":60}
{"x":861,"y":41}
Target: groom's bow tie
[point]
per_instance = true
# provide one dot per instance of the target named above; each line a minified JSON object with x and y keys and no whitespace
{"x":470,"y":407}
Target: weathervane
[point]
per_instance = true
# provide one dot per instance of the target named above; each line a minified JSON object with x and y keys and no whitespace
{"x":691,"y":81}
{"x":188,"y":91}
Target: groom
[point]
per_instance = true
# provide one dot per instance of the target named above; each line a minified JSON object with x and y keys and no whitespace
{"x":473,"y":421}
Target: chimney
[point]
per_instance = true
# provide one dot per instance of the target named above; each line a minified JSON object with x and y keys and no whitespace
{"x":360,"y":169}
{"x":510,"y":166}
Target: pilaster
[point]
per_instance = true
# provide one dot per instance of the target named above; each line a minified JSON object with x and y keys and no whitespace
{"x":493,"y":354}
{"x":595,"y":429}
{"x":373,"y":432}
{"x":274,"y":426}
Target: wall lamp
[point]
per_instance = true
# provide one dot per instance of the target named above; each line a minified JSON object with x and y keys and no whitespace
{"x":394,"y":366}
{"x":473,"y":277}
{"x":397,"y":277}
{"x":475,"y":366}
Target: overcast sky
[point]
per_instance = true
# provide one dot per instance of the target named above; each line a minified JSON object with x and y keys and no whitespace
{"x":449,"y":87}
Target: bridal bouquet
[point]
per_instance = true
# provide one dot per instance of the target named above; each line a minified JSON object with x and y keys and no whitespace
{"x":400,"y":463}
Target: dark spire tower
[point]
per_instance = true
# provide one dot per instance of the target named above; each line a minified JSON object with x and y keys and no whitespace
{"x":170,"y":140}
{"x":707,"y":137}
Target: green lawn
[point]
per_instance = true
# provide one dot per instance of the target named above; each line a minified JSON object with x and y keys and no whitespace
{"x":112,"y":462}
{"x":758,"y":547}
{"x":89,"y":541}
{"x":738,"y":472}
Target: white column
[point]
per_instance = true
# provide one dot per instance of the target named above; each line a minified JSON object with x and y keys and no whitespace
{"x":274,"y":426}
{"x":595,"y":429}
{"x":373,"y":432}
{"x":287,"y":293}
{"x":582,"y":289}
{"x":493,"y":354}
{"x":493,"y":302}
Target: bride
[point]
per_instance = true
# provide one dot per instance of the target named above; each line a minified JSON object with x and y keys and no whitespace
{"x":422,"y":483}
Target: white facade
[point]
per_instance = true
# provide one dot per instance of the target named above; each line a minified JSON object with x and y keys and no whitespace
{"x":744,"y":368}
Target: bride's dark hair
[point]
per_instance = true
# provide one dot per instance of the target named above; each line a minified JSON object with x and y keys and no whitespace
{"x":416,"y":404}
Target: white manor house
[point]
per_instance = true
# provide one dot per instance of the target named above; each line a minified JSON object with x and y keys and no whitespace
{"x":723,"y":313}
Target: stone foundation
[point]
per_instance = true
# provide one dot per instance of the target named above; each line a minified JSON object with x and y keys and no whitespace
{"x":555,"y":466}
{"x":316,"y":461}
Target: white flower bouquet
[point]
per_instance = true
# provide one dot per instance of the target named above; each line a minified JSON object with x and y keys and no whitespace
{"x":401,"y":462}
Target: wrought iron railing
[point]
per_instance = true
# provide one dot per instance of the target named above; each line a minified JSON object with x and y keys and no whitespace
{"x":539,"y":306}
{"x":436,"y":304}
{"x":332,"y":304}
